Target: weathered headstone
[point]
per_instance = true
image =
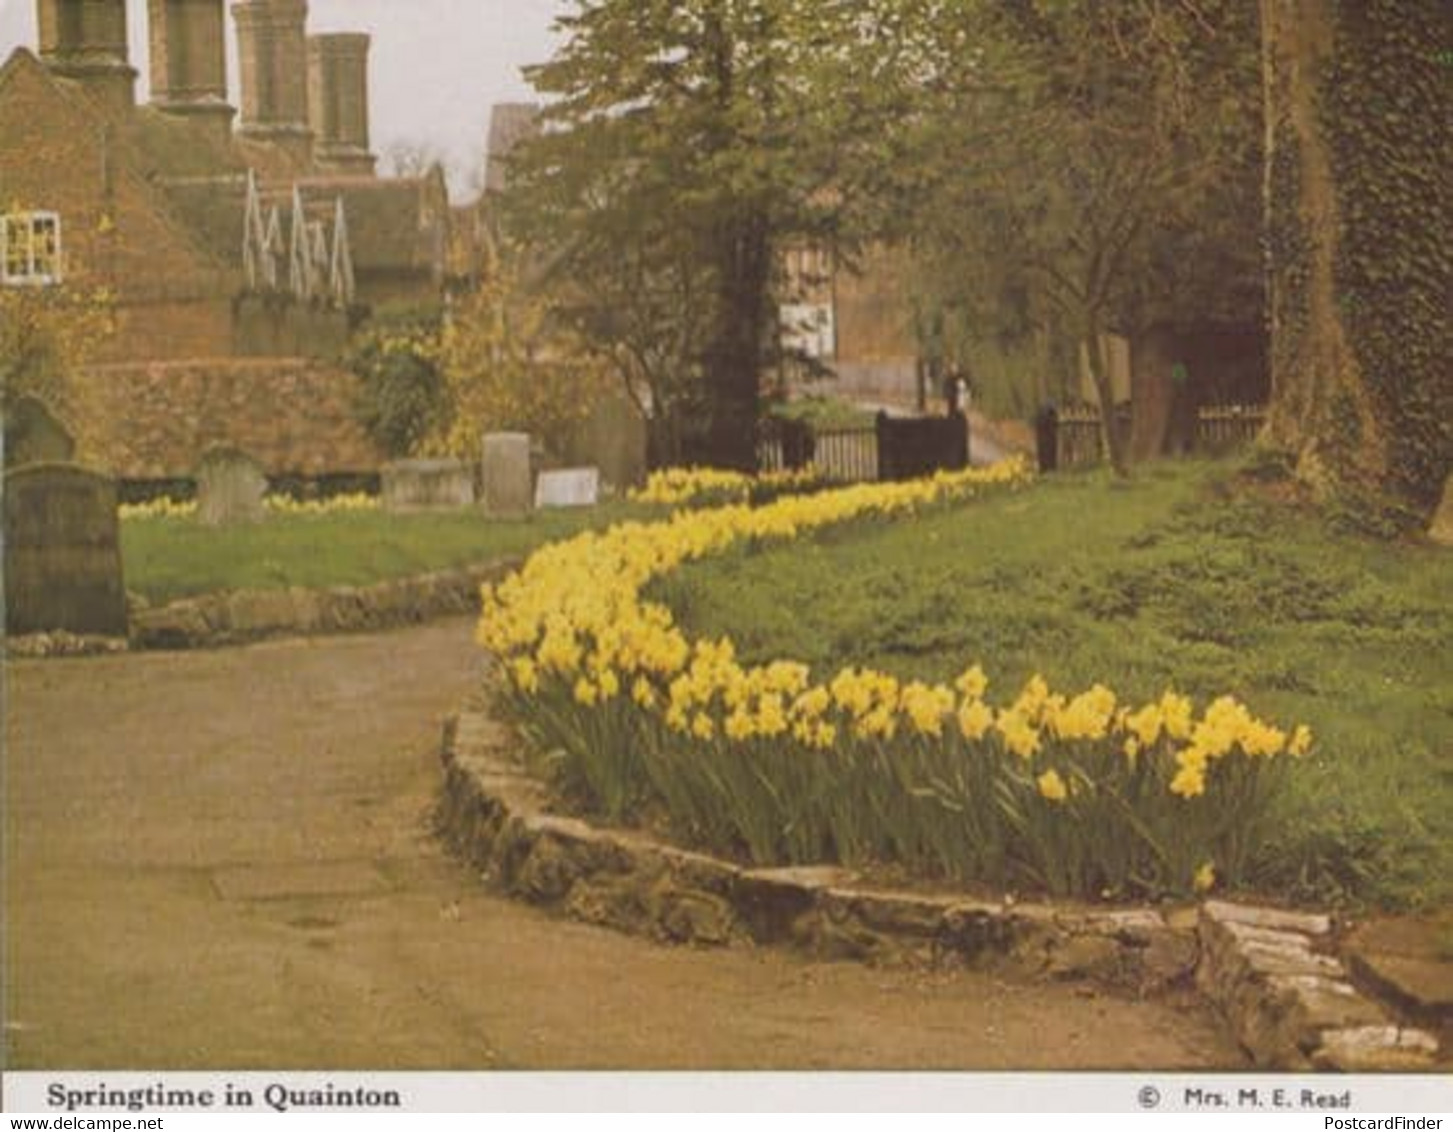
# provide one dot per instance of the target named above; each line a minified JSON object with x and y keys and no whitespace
{"x":62,"y":552}
{"x":1441,"y":532}
{"x":230,"y":488}
{"x":507,"y":485}
{"x":413,"y":484}
{"x":568,"y":487}
{"x":33,"y":435}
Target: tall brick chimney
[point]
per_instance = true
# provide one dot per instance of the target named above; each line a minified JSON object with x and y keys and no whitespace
{"x":85,"y":40}
{"x":338,"y":102}
{"x":272,"y":54}
{"x":189,"y":62}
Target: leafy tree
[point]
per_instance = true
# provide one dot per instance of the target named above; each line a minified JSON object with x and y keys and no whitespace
{"x":644,"y":313}
{"x":511,"y":364}
{"x":1068,"y":166}
{"x":403,"y":399}
{"x":685,"y":141}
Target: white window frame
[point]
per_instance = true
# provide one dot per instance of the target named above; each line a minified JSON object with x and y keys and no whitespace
{"x":40,"y":269}
{"x":809,"y":328}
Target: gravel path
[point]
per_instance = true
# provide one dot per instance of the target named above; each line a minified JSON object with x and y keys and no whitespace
{"x":222,"y":859}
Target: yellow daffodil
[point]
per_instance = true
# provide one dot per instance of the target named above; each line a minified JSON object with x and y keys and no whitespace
{"x":1146,"y":724}
{"x":1052,"y":786}
{"x":972,"y":683}
{"x":526,"y":676}
{"x":1019,"y":735}
{"x":975,"y":719}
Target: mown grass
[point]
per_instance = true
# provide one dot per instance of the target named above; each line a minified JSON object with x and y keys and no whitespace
{"x":825,"y":412}
{"x":1169,"y":580}
{"x":166,"y":559}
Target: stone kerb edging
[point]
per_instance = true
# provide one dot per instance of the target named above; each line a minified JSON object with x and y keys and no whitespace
{"x":240,"y":616}
{"x":251,"y":615}
{"x":1286,"y":1001}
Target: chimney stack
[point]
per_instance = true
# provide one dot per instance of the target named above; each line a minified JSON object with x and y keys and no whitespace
{"x":273,"y":56}
{"x":189,"y":62}
{"x":510,"y":123}
{"x":85,"y":40}
{"x":338,"y":102}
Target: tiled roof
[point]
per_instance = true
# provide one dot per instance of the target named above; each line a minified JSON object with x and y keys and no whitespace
{"x":166,"y":146}
{"x":395,"y":224}
{"x":213,"y":210}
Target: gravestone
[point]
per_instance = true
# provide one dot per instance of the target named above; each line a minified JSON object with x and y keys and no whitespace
{"x":1441,"y":531}
{"x":415,"y":484}
{"x":33,"y":435}
{"x":62,"y":552}
{"x":230,"y":488}
{"x":568,"y":487}
{"x":507,"y":486}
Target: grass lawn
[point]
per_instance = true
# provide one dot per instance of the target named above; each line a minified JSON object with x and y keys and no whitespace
{"x":825,"y":412}
{"x":165,"y":559}
{"x":1164,"y":581}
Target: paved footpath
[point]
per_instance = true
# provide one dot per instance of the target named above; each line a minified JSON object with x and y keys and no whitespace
{"x":222,"y":860}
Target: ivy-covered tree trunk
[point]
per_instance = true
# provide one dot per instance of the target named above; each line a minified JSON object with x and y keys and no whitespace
{"x":1359,"y":120}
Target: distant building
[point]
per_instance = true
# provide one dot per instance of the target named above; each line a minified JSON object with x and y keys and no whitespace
{"x":214,"y":241}
{"x":220,"y":235}
{"x":509,"y":124}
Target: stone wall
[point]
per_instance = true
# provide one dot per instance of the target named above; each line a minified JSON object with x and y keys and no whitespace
{"x":170,"y":327}
{"x":274,"y":326}
{"x":295,"y":416}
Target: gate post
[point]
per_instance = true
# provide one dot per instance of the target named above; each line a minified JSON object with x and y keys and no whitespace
{"x":1046,"y":435}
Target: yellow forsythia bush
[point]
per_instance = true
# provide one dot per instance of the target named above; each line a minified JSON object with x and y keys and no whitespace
{"x":1072,"y":794}
{"x":168,"y":508}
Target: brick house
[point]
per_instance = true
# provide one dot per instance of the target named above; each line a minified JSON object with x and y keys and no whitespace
{"x":214,"y":243}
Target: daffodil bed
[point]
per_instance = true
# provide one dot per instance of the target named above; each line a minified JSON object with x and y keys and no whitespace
{"x":1073,"y":794}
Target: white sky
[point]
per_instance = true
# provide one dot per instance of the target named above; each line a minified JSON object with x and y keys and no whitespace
{"x":435,"y":69}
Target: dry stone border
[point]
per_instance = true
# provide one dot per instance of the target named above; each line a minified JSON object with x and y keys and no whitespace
{"x":1286,"y":998}
{"x":37,"y":646}
{"x":496,"y":815}
{"x":250,"y":615}
{"x":1289,"y":1000}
